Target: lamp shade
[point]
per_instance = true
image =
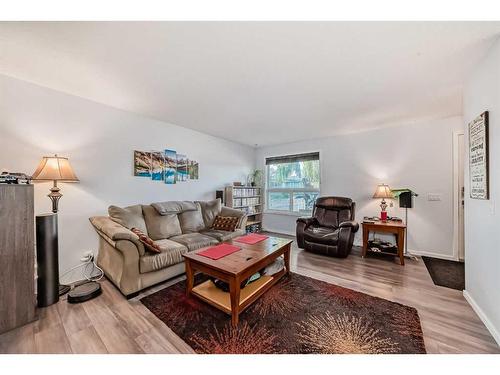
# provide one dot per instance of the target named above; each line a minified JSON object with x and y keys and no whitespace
{"x":383,"y":191}
{"x":54,"y":168}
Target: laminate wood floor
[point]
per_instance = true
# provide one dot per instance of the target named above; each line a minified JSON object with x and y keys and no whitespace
{"x":111,"y":324}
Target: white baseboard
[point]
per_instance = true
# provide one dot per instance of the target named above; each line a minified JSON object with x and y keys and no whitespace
{"x":489,"y":325}
{"x":432,"y":255}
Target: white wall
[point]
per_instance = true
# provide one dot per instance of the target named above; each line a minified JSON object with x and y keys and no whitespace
{"x":99,"y":141}
{"x":482,"y":220}
{"x":416,"y":156}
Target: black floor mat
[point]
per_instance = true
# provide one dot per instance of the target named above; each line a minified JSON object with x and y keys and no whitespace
{"x":447,"y":273}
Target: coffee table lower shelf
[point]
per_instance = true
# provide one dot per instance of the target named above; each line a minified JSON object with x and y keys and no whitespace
{"x":208,"y":292}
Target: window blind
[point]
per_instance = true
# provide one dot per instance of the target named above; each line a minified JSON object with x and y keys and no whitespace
{"x":292,"y":158}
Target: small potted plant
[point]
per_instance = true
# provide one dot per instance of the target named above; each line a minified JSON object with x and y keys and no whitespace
{"x":255,"y":178}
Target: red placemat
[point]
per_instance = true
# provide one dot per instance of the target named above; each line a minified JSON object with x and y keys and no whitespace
{"x":219,"y":251}
{"x":251,"y":238}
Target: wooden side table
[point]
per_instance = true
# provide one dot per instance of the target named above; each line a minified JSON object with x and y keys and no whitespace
{"x":395,"y":227}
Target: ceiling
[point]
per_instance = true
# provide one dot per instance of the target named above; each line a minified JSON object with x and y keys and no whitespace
{"x":256,"y":83}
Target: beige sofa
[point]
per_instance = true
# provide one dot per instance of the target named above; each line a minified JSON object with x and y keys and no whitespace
{"x":177,"y":227}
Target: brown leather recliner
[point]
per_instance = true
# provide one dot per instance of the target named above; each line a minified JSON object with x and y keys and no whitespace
{"x":330,"y":230}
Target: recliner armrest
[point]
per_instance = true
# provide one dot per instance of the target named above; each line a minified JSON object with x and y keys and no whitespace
{"x":351,"y":223}
{"x":307,"y":220}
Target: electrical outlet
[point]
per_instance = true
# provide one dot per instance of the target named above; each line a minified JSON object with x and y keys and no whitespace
{"x":87,"y":256}
{"x":433,"y":197}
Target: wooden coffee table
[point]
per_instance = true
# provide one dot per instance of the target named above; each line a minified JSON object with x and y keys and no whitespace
{"x":233,"y":269}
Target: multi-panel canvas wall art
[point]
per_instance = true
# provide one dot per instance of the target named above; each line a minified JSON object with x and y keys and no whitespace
{"x":167,"y":166}
{"x":182,"y":167}
{"x":142,"y":164}
{"x":157,"y":166}
{"x":170,"y":166}
{"x":193,"y":170}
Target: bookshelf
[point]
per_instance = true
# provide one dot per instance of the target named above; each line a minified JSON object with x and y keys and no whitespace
{"x":249,"y":200}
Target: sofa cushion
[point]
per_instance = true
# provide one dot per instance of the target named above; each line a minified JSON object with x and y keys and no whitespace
{"x":192,"y":221}
{"x":170,"y":254}
{"x":195,"y":241}
{"x":209,"y":210}
{"x":130,"y":217}
{"x":174,"y":207}
{"x":323,"y":235}
{"x":148,"y":243}
{"x":223,"y":235}
{"x":160,"y":226}
{"x":226,"y":223}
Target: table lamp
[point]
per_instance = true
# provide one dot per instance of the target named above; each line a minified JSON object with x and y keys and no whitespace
{"x":383,"y":191}
{"x":54,"y":168}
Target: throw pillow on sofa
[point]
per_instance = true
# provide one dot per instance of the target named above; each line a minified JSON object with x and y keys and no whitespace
{"x":192,"y":221}
{"x":227,"y":223}
{"x":159,"y":226}
{"x":149,"y":244}
{"x":209,"y":211}
{"x":130,"y":217}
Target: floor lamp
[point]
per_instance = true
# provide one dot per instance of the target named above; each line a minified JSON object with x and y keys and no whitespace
{"x":57,"y":169}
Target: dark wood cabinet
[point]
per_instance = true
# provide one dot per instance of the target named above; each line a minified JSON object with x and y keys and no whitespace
{"x":17,"y":256}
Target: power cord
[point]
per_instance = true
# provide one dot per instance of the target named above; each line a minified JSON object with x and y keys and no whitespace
{"x":94,"y":267}
{"x":89,"y":262}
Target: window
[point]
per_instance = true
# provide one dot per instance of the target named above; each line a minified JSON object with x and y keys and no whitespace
{"x":292,"y":183}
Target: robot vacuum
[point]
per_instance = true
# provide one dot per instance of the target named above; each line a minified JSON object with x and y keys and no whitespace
{"x":84,"y":292}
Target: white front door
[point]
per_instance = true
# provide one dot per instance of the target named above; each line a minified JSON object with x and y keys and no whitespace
{"x":461,"y":197}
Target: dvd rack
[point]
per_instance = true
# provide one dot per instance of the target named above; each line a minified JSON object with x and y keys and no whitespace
{"x":249,"y":200}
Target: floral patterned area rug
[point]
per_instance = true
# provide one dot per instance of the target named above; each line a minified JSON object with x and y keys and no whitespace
{"x":297,"y":315}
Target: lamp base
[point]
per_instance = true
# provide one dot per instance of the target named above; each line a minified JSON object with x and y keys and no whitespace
{"x":54,"y":196}
{"x":383,"y":215}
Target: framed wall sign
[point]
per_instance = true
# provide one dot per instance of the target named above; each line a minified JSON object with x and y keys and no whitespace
{"x":478,"y":157}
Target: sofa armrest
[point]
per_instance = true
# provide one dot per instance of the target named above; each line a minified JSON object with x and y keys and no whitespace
{"x":115,"y":232}
{"x":307,"y":220}
{"x":350,"y":224}
{"x":232,"y":212}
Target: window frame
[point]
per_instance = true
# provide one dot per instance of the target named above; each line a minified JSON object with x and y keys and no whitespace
{"x":290,"y":191}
